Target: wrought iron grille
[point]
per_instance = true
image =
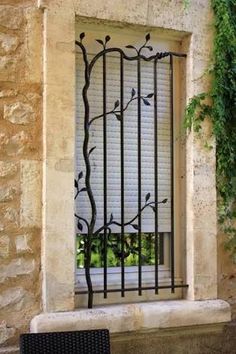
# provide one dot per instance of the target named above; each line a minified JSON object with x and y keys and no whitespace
{"x":87,"y":229}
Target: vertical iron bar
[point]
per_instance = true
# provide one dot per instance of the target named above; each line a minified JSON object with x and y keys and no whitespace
{"x":161,"y":247}
{"x":139,"y":181}
{"x":104,"y":177}
{"x":122,"y":172}
{"x":172,"y":172}
{"x":156,"y":175}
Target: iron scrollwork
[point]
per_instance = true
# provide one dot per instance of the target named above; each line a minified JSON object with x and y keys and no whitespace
{"x":85,"y":176}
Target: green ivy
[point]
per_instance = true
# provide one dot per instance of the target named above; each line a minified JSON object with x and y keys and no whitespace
{"x":222,"y":112}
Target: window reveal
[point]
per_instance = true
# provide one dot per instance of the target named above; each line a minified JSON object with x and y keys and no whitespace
{"x":124,"y":186}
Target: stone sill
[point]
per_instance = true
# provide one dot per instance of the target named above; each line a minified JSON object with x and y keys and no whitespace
{"x":136,"y":317}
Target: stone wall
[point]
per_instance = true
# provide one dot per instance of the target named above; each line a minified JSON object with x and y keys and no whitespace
{"x":20,"y":161}
{"x":21,"y":53}
{"x":226,"y":275}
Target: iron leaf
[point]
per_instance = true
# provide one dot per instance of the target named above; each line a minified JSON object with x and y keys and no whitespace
{"x":76,"y":184}
{"x":135,"y":226}
{"x":148,"y":195}
{"x":146,"y":102}
{"x":133,"y":92}
{"x":82,"y":35}
{"x":107,"y":38}
{"x":153,"y":208}
{"x":130,"y":47}
{"x":164,"y":201}
{"x":91,"y":150}
{"x":83,"y":189}
{"x":100,"y":41}
{"x":80,"y":175}
{"x":148,"y":37}
{"x":116,"y":104}
{"x":150,"y":95}
{"x":118,"y":117}
{"x":80,"y":226}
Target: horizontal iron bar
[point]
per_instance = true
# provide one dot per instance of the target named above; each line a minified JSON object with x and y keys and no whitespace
{"x":133,"y":289}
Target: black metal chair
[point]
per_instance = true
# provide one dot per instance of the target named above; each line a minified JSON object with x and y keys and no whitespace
{"x":77,"y":342}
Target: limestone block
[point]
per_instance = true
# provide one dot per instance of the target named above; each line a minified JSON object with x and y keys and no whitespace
{"x":11,"y":215}
{"x":7,"y":168}
{"x":30,"y":203}
{"x":19,"y":113}
{"x":33,"y":45}
{"x":19,"y":266}
{"x":136,"y":317}
{"x":10,"y":17}
{"x":4,"y":139}
{"x":7,"y":68}
{"x":22,"y":243}
{"x":133,"y":11}
{"x":8,"y":93}
{"x":7,"y":193}
{"x":8,"y":43}
{"x":5,"y":332}
{"x":4,"y":246}
{"x":9,"y":350}
{"x":15,"y":299}
{"x":18,"y":144}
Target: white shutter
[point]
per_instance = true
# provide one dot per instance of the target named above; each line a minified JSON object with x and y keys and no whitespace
{"x":130,"y":142}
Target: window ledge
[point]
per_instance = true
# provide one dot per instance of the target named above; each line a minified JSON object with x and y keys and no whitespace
{"x":136,"y":317}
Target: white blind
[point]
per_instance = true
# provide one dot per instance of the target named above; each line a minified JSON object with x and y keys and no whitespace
{"x":95,"y":95}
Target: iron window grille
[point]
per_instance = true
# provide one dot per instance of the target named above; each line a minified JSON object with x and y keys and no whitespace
{"x":87,"y":228}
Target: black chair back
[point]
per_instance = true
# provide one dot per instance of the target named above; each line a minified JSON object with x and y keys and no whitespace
{"x":76,"y":342}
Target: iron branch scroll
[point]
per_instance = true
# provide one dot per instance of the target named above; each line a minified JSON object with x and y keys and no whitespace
{"x":117,"y":112}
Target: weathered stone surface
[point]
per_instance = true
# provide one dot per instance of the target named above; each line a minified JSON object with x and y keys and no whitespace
{"x":8,"y":93}
{"x":11,"y":215}
{"x":5,"y":332}
{"x":22,"y":243}
{"x":15,"y":299}
{"x":10,"y":17}
{"x":18,"y":144}
{"x":4,"y":246}
{"x":7,"y":168}
{"x":9,"y":350}
{"x":135,"y":317}
{"x":33,"y":48}
{"x":19,"y":113}
{"x":4,"y":139}
{"x":17,"y":267}
{"x":7,"y":193}
{"x":30,"y":202}
{"x":8,"y":43}
{"x":7,"y":68}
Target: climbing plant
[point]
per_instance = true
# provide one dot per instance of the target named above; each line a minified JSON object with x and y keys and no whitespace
{"x":219,"y":105}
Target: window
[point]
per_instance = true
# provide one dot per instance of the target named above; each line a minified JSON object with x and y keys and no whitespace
{"x":127,"y":203}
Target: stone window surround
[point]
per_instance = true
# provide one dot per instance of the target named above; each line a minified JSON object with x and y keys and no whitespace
{"x":58,"y":174}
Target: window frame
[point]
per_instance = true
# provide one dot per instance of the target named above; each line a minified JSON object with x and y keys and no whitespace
{"x":58,"y":163}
